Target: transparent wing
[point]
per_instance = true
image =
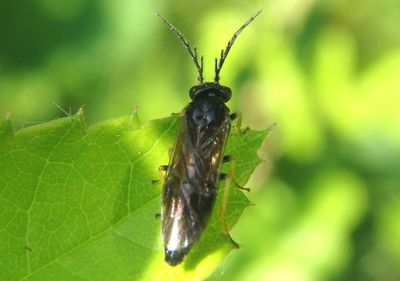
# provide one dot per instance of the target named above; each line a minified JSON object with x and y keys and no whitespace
{"x":191,"y":183}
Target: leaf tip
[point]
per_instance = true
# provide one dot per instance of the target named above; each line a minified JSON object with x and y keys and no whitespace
{"x":251,"y":204}
{"x":271,"y":127}
{"x":79,"y":117}
{"x":80,"y":112}
{"x":6,"y":126}
{"x":135,"y":115}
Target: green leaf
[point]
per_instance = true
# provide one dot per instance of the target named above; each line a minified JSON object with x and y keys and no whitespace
{"x":79,"y":204}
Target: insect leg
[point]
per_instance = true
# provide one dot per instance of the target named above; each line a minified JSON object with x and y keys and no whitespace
{"x":224,"y":176}
{"x":161,"y":169}
{"x":238,"y":115}
{"x":223,"y":209}
{"x":227,"y":158}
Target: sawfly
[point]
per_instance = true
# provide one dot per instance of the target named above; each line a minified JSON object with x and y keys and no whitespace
{"x":194,"y":171}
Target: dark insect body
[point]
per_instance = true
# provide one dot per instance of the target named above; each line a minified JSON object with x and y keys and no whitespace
{"x":193,"y":174}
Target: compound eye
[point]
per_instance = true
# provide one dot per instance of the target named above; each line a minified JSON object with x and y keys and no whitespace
{"x":194,"y":91}
{"x":226,"y":93}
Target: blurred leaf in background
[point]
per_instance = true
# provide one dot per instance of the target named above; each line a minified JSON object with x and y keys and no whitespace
{"x":327,"y":198}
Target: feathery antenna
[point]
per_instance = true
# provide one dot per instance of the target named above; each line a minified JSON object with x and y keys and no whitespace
{"x":186,"y":45}
{"x":224,"y":53}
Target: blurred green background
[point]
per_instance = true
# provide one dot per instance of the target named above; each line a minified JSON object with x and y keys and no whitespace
{"x":327,"y":72}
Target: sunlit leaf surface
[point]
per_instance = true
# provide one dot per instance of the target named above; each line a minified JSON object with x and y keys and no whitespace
{"x":79,"y":204}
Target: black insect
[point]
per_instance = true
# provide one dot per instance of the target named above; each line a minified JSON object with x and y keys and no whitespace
{"x":193,"y":174}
